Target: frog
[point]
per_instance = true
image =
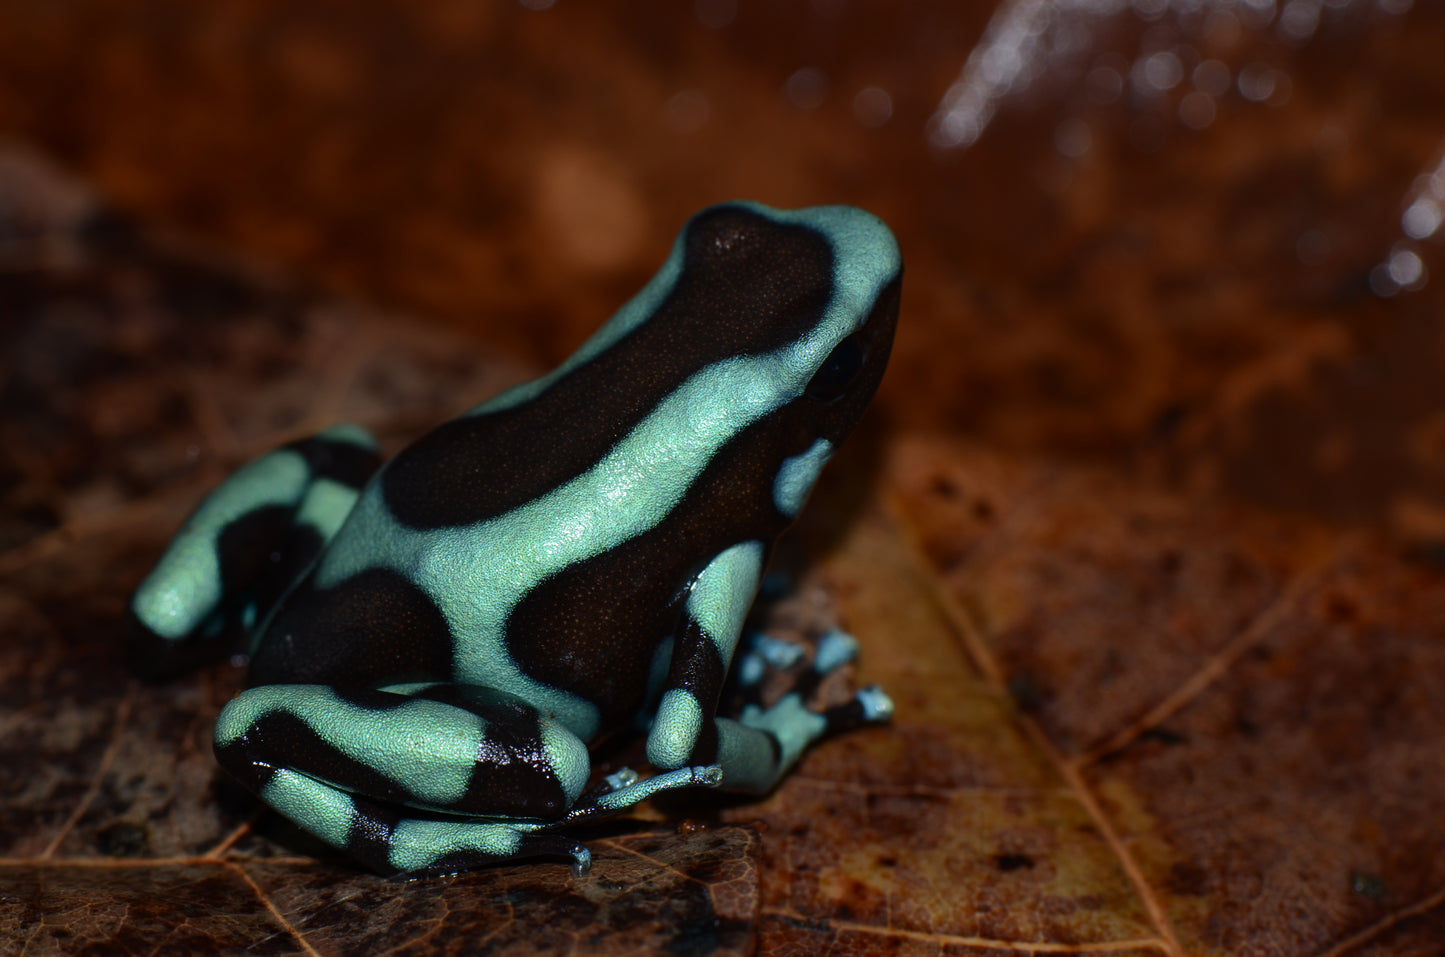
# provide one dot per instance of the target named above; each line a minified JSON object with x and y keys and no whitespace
{"x":439,"y":643}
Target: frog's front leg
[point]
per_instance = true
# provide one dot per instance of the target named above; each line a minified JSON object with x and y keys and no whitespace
{"x":757,"y":749}
{"x":244,"y":546}
{"x":485,"y":770}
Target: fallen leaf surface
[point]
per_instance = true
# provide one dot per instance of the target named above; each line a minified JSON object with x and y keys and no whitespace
{"x":1143,"y":535}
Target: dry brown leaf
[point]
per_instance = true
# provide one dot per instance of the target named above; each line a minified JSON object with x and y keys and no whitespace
{"x":1144,"y":537}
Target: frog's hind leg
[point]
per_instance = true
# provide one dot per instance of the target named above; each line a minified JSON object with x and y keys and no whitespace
{"x":421,"y":778}
{"x":243,"y":547}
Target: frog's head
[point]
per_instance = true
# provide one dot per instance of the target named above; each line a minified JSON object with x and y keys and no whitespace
{"x":810,"y":296}
{"x":795,"y":312}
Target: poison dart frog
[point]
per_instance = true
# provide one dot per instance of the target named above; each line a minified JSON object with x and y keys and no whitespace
{"x":436,"y":642}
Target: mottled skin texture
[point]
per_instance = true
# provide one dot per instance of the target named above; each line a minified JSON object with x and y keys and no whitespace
{"x":450,"y":635}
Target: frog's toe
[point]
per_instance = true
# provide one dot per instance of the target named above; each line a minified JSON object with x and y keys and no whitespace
{"x":875,"y":704}
{"x":868,"y":706}
{"x":761,"y":655}
{"x":616,"y":781}
{"x":835,"y":649}
{"x":775,"y":652}
{"x":795,"y":725}
{"x":605,"y":800}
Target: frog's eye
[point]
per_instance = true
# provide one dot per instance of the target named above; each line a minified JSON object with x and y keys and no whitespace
{"x":838,"y":371}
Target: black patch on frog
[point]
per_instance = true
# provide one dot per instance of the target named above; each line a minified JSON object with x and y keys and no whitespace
{"x":344,"y":462}
{"x":156,"y":659}
{"x":699,"y":669}
{"x":372,"y":699}
{"x":375,"y":628}
{"x":262,"y":554}
{"x":847,"y":716}
{"x":748,"y":285}
{"x":510,"y":777}
{"x":513,"y":775}
{"x":368,"y":840}
{"x":591,"y":628}
{"x":774,"y":745}
{"x":281,"y":738}
{"x":704,"y":749}
{"x":250,"y":552}
{"x":254,"y":775}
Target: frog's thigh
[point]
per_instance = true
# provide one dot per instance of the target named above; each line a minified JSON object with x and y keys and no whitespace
{"x":475,"y":752}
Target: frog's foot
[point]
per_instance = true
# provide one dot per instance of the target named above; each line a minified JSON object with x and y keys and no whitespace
{"x":387,"y":840}
{"x":869,"y":705}
{"x":761,"y":655}
{"x":761,"y":744}
{"x":625,"y":787}
{"x":425,"y":847}
{"x":795,"y":726}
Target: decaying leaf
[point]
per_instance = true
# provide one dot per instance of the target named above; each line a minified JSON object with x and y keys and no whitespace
{"x":1143,"y":537}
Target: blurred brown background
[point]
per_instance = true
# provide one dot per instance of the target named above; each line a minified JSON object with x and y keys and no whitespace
{"x":1151,"y":270}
